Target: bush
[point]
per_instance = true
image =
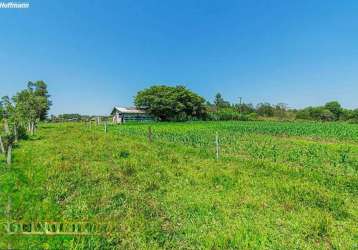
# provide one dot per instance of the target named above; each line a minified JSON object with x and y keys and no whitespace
{"x":252,"y":117}
{"x":230,"y":114}
{"x":353,"y":121}
{"x":226,"y":114}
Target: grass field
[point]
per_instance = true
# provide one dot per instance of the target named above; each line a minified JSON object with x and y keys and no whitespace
{"x":274,"y":186}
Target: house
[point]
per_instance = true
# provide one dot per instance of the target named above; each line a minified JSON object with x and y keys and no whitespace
{"x":124,"y":114}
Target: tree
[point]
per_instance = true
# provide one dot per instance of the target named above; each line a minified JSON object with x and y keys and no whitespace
{"x":280,"y":110}
{"x":8,"y":137}
{"x":316,"y":113}
{"x":346,"y":114}
{"x":7,"y":110}
{"x":32,"y":104}
{"x":304,"y":114}
{"x":355,"y":114}
{"x":245,"y":108}
{"x":39,"y":89}
{"x":327,"y":115}
{"x":2,"y":148}
{"x":336,"y":109}
{"x":171,"y":103}
{"x":27,"y":108}
{"x":265,"y":109}
{"x":219,"y":102}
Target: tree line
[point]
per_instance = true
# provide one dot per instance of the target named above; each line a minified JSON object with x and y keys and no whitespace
{"x":75,"y":117}
{"x":20,"y":115}
{"x":177,"y":103}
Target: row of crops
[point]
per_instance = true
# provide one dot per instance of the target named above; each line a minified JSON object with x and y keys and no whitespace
{"x":299,"y":144}
{"x":331,"y":131}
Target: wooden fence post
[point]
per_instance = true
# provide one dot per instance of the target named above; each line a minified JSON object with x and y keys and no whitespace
{"x":150,"y":135}
{"x":217,"y":145}
{"x":16,"y":134}
{"x":9,"y":152}
{"x":8,"y":215}
{"x":2,"y":148}
{"x":105,"y":126}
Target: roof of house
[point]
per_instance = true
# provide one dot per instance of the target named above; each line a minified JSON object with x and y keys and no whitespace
{"x":128,"y":110}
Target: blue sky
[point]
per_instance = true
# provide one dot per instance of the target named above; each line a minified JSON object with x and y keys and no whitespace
{"x":97,"y":54}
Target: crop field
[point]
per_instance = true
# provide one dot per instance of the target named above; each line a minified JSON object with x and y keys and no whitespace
{"x":199,"y":185}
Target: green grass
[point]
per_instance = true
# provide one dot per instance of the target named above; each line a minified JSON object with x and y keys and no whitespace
{"x":275,"y":186}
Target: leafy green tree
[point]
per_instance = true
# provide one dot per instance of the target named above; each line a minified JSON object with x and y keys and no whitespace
{"x":8,"y":113}
{"x":39,"y":89}
{"x":32,"y":104}
{"x":265,"y":109}
{"x":70,"y":117}
{"x":316,"y":113}
{"x":303,"y":114}
{"x":171,"y":103}
{"x":346,"y":115}
{"x":335,"y":108}
{"x":2,"y":148}
{"x":280,"y":110}
{"x":327,"y":115}
{"x":27,"y":108}
{"x":219,"y":102}
{"x":245,"y":108}
{"x":355,"y":114}
{"x":8,"y":137}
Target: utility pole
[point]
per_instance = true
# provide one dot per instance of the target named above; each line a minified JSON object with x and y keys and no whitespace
{"x":240,"y":98}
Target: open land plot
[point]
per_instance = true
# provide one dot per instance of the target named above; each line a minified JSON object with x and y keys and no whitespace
{"x":275,"y":185}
